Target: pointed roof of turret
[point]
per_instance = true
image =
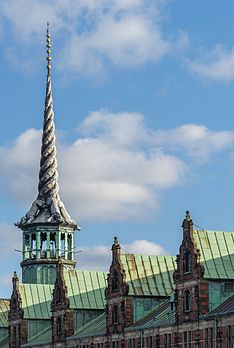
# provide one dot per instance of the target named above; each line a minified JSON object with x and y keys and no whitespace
{"x":48,"y":206}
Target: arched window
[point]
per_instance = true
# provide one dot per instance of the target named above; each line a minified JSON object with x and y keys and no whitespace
{"x":115,"y":314}
{"x":34,"y":247}
{"x":69,"y":246}
{"x":115,"y":281}
{"x":52,"y":245}
{"x":62,"y":245}
{"x":43,"y":245}
{"x":187,"y":301}
{"x":187,"y":262}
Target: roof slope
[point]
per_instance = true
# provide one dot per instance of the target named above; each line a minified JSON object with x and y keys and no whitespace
{"x":217,"y":253}
{"x":226,"y":307}
{"x":95,"y":327}
{"x":160,"y":316}
{"x":44,"y":336}
{"x":36,"y":300}
{"x":149,"y":275}
{"x":4,"y":308}
{"x":85,"y":291}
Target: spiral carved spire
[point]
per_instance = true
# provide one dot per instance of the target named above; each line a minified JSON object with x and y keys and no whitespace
{"x":48,"y":206}
{"x":48,"y":175}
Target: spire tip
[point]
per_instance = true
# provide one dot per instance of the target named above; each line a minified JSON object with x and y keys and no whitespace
{"x":48,"y":46}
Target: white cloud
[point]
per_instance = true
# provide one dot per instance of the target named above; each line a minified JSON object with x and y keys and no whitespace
{"x":127,"y":33}
{"x":115,"y":172}
{"x":128,"y":41}
{"x":98,"y":257}
{"x":217,"y":65}
{"x":20,"y":164}
{"x":125,"y":129}
{"x":119,"y":168}
{"x":143,"y":246}
{"x":196,"y":140}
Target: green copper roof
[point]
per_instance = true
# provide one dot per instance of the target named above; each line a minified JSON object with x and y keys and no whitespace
{"x":41,"y":337}
{"x":85,"y":291}
{"x":4,"y":308}
{"x":95,"y":327}
{"x":160,"y":316}
{"x":5,"y":343}
{"x":217,"y":253}
{"x":149,"y":275}
{"x":36,"y":300}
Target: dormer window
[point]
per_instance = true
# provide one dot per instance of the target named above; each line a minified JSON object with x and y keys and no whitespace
{"x":187,"y":301}
{"x":115,"y":281}
{"x":187,"y":262}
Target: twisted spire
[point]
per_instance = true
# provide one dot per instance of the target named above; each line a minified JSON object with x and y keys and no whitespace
{"x":48,"y":175}
{"x":48,"y":206}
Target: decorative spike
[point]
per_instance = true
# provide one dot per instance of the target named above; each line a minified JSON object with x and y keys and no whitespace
{"x":48,"y":46}
{"x":15,"y":280}
{"x":187,"y":226}
{"x":188,"y":215}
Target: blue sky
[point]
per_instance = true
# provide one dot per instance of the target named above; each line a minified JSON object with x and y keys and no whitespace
{"x":143,"y":100}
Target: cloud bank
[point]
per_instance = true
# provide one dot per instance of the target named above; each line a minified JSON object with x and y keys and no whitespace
{"x":117,"y":169}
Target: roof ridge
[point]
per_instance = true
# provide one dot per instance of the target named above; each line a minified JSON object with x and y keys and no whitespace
{"x":148,"y":255}
{"x":210,"y":231}
{"x":85,"y":270}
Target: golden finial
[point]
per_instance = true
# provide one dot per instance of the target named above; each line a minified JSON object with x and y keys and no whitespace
{"x":48,"y":46}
